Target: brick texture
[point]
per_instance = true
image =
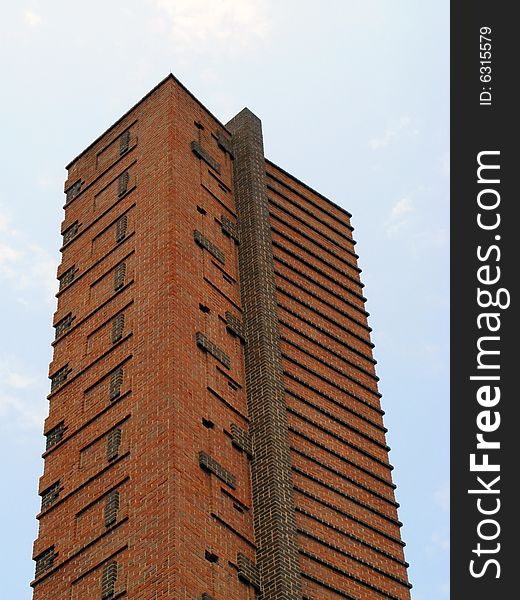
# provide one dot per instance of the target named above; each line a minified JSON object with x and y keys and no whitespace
{"x":275,"y":531}
{"x":347,"y":528}
{"x":215,"y":428}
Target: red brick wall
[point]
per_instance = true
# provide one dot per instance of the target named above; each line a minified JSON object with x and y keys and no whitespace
{"x":171,"y":512}
{"x":137,"y":410}
{"x":348,"y":532}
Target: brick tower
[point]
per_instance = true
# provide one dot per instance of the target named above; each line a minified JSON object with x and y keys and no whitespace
{"x":214,"y":429}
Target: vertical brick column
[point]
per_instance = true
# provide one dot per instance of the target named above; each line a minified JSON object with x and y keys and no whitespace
{"x":274,"y":521}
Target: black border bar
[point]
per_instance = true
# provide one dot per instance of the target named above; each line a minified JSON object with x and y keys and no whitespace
{"x":484,"y":256}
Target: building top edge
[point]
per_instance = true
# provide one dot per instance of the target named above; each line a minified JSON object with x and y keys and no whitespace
{"x":169,"y":77}
{"x":308,"y":187}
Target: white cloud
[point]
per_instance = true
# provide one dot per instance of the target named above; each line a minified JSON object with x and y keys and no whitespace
{"x":12,"y":375}
{"x":31,"y":18}
{"x":21,"y":413}
{"x":399,"y":216}
{"x":19,"y":381}
{"x":198,"y":25}
{"x":20,"y":406}
{"x":8,"y":255}
{"x":402,"y":128}
{"x":401,"y":207}
{"x":28,"y":269}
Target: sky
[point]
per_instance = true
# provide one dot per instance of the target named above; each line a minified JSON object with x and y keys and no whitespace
{"x":354,"y":100}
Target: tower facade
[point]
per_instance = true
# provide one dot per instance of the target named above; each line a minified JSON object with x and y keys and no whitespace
{"x":215,"y":429}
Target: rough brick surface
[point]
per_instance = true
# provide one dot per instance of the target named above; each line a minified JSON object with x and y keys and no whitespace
{"x":201,"y":405}
{"x":275,"y":531}
{"x":348,"y":530}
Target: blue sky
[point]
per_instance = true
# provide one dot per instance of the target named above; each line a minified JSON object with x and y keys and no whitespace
{"x":354,"y":99}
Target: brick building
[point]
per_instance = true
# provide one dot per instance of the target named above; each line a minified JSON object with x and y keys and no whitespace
{"x":215,"y":428}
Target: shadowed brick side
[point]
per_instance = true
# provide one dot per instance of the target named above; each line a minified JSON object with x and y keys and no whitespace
{"x":210,"y":465}
{"x":224,"y":143}
{"x":203,"y":242}
{"x":202,"y":154}
{"x":241,"y":439}
{"x":229,"y":228}
{"x":204,"y":344}
{"x":247,"y":571}
{"x":234,"y":325}
{"x":274,"y":519}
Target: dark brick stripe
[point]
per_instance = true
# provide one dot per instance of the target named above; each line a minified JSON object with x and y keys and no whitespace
{"x":96,"y":499}
{"x":314,"y":267}
{"x":248,"y":571}
{"x":94,"y":265}
{"x":344,"y":477}
{"x":353,"y":537}
{"x":333,"y":383}
{"x":322,"y":330}
{"x":211,"y":348}
{"x":241,"y":439}
{"x":339,"y":571}
{"x":219,"y":200}
{"x":210,"y":465}
{"x":274,"y":518}
{"x":55,"y":435}
{"x":353,"y":557}
{"x":234,"y":325}
{"x":316,"y":311}
{"x":327,"y":586}
{"x":313,"y":240}
{"x":224,"y":144}
{"x":347,"y":515}
{"x":313,"y":192}
{"x":323,"y":287}
{"x":239,"y":535}
{"x":72,"y":191}
{"x":274,"y":202}
{"x":70,"y":233}
{"x":201,"y":153}
{"x":315,"y":256}
{"x":82,"y":550}
{"x":338,"y":371}
{"x":229,"y":228}
{"x":203,"y":242}
{"x":332,"y":417}
{"x":341,"y":357}
{"x":333,"y":400}
{"x":344,"y":459}
{"x":68,"y":436}
{"x":348,"y":497}
{"x":227,"y":403}
{"x":337,"y":437}
{"x":81,"y":487}
{"x":102,"y":175}
{"x":83,"y":228}
{"x":309,"y":211}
